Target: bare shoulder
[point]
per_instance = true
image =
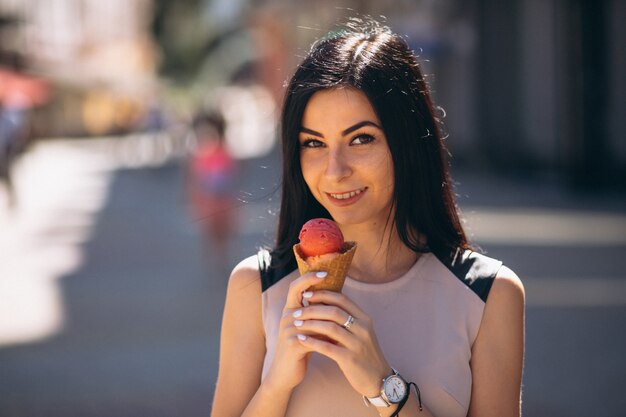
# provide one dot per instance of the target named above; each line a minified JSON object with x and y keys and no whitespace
{"x":243,"y":298}
{"x":242,"y":341}
{"x":498,"y":351}
{"x":245,"y":274}
{"x":507,"y":287}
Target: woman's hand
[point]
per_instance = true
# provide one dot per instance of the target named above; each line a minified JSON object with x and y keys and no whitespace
{"x":291,"y":358}
{"x":354,"y":349}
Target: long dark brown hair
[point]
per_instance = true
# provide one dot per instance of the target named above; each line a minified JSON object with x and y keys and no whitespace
{"x":369,"y":57}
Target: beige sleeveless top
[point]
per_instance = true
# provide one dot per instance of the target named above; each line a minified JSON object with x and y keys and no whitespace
{"x":426,"y":322}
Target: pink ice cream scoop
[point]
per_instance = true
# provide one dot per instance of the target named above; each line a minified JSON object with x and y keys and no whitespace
{"x":319,"y":237}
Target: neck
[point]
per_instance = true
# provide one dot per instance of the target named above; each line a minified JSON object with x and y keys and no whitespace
{"x":381,"y":256}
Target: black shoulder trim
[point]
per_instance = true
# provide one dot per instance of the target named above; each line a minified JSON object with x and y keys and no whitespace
{"x":271,"y":271}
{"x":473,"y":269}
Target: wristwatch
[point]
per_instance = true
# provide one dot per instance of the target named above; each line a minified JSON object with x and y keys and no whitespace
{"x":394,"y":389}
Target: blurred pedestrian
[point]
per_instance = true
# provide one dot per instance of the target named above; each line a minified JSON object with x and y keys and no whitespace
{"x":419,"y":309}
{"x":19,"y":95}
{"x":211,"y":180}
{"x":13,"y":138}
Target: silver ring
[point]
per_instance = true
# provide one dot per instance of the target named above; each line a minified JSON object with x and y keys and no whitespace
{"x":349,"y":322}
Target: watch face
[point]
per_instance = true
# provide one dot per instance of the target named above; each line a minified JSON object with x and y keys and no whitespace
{"x":395,"y":389}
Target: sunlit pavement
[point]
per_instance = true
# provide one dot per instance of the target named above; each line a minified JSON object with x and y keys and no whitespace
{"x":108,"y":305}
{"x":60,"y":189}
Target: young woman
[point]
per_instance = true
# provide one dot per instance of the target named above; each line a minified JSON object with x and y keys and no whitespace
{"x":419,"y":308}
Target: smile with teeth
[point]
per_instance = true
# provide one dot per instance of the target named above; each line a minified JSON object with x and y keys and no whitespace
{"x":344,"y":196}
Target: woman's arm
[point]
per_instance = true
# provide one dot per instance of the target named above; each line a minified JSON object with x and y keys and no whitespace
{"x":239,"y":389}
{"x":498,"y":352}
{"x":242,"y":343}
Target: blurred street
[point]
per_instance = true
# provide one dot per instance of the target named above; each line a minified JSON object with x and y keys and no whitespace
{"x":110,"y":306}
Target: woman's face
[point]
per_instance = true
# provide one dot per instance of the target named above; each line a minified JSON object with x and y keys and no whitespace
{"x":345,"y":157}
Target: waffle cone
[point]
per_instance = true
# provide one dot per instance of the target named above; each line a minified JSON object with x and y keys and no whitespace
{"x":336,"y":267}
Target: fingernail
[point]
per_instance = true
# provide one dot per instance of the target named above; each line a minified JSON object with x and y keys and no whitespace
{"x":321,"y":274}
{"x":298,"y":323}
{"x":305,"y":302}
{"x":297,"y":313}
{"x":301,"y":337}
{"x":307,"y":294}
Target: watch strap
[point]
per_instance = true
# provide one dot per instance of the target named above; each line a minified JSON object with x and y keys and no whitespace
{"x":405,"y":399}
{"x":376,"y":401}
{"x":381,"y":400}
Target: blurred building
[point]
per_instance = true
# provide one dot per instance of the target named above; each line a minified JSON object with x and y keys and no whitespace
{"x":99,"y":53}
{"x":550,"y":91}
{"x":528,"y":86}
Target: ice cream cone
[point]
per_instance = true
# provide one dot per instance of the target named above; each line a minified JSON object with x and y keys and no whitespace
{"x":337,"y":267}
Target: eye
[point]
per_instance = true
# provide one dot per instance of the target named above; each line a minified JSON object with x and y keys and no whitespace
{"x":311,"y":143}
{"x":363,"y":139}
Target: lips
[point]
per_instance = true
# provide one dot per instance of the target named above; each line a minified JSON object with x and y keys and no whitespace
{"x":347,"y":197}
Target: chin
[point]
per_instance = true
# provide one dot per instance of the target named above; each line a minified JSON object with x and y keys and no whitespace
{"x":351,"y":218}
{"x":346,"y":218}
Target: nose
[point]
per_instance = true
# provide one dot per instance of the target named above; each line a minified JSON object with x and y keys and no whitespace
{"x":338,"y":165}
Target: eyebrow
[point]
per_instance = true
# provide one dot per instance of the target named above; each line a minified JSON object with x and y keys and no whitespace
{"x":345,"y":132}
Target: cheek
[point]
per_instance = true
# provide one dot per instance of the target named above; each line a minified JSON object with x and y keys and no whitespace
{"x":389,"y":181}
{"x":309,"y":172}
{"x":387,"y":171}
{"x":391,"y":176}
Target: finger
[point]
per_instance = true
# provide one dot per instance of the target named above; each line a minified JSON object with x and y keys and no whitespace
{"x":329,"y":321}
{"x":324,"y":347}
{"x":340,"y":308}
{"x":328,"y":330}
{"x":337,"y":299}
{"x":300,"y":285}
{"x":288,"y":336}
{"x":325,"y":312}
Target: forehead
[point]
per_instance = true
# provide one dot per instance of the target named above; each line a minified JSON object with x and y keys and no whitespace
{"x":339,"y":108}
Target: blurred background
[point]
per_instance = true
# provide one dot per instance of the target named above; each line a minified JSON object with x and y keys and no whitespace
{"x":138,"y":164}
